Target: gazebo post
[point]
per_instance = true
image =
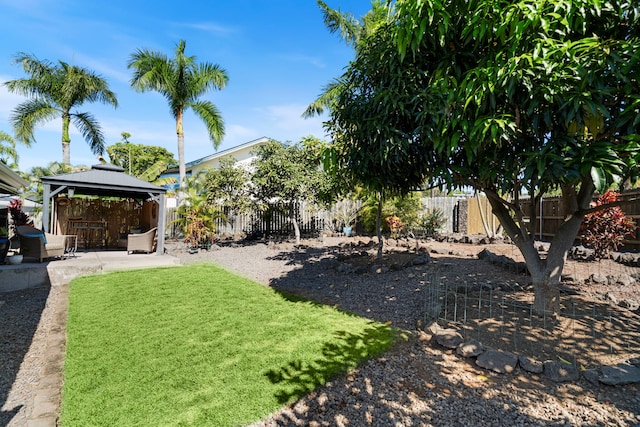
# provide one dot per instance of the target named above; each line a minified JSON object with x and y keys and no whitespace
{"x":46,"y":200}
{"x":162,"y":219}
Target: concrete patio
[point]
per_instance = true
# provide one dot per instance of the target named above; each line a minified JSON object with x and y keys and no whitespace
{"x":60,"y":271}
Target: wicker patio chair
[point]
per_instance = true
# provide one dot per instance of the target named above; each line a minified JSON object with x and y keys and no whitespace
{"x":38,"y":245}
{"x":142,"y":242}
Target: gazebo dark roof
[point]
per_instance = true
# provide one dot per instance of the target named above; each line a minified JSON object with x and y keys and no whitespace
{"x":104,"y":180}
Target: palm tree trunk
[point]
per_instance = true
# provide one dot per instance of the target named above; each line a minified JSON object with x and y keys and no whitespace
{"x":181,"y":164}
{"x":66,"y":139}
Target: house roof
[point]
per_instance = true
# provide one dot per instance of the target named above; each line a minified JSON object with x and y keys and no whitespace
{"x":104,"y":180}
{"x":223,"y":153}
{"x":10,"y":181}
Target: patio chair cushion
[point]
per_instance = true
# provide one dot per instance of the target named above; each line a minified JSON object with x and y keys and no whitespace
{"x":40,"y":235}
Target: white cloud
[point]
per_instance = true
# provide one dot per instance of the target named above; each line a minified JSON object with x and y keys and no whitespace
{"x":209,"y":27}
{"x":316,"y":62}
{"x":288,"y":118}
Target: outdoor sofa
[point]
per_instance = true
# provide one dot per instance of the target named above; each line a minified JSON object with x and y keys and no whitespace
{"x":34,"y":243}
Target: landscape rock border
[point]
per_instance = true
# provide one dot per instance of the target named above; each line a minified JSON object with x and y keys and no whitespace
{"x":504,"y":362}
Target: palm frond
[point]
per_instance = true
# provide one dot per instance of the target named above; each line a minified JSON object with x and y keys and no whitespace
{"x":326,"y":100}
{"x":90,"y":130}
{"x":212,"y":119}
{"x":27,"y":115}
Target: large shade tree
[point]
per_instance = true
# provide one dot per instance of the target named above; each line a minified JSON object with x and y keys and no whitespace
{"x":182,"y":81}
{"x":509,"y":98}
{"x":56,"y":91}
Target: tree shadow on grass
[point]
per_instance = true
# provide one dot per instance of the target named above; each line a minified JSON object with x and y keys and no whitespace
{"x":345,"y":352}
{"x":418,"y":382}
{"x":20,"y":313}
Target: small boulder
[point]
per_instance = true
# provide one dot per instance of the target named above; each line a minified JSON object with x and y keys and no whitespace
{"x":449,"y":338}
{"x":592,"y":376}
{"x":530,"y":364}
{"x":620,"y":374}
{"x":471,"y":348}
{"x":560,"y":372}
{"x":498,"y":361}
{"x":629,"y":304}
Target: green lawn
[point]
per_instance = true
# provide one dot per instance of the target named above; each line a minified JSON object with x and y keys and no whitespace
{"x":198,"y":345}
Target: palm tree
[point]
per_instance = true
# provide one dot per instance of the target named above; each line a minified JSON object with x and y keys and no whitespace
{"x":54,"y":91}
{"x":351,"y":31}
{"x":8,"y":153}
{"x":182,"y":81}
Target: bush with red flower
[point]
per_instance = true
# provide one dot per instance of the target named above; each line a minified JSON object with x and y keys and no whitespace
{"x":605,"y":229}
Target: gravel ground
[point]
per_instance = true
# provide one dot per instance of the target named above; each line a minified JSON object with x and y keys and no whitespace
{"x":27,"y":317}
{"x":416,"y":383}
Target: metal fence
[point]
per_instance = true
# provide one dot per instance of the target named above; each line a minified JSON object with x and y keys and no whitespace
{"x":584,"y":333}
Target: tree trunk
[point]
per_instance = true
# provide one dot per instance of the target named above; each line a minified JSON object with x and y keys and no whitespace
{"x":296,"y":227}
{"x":181,"y":164}
{"x":379,"y":226}
{"x":66,"y":139}
{"x":546,"y":273}
{"x":66,"y":153}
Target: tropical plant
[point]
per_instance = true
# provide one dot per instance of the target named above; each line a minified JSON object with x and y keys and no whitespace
{"x":55,"y":91}
{"x":35,"y":190}
{"x":395,"y":225}
{"x":18,"y":216}
{"x":197,"y":216}
{"x":8,"y":153}
{"x":604,"y":230}
{"x":503,"y":97}
{"x":351,"y":31}
{"x":182,"y":81}
{"x":405,"y":207}
{"x":432,"y":221}
{"x":345,"y":213}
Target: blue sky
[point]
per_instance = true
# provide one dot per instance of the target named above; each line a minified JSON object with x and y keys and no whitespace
{"x":277,"y":53}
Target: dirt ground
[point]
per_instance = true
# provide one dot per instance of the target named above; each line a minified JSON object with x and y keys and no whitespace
{"x":492,"y":304}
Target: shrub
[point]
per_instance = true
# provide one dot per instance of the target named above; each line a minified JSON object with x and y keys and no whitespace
{"x":18,"y":216}
{"x":395,"y":225}
{"x":433,"y":220}
{"x":406,"y":208}
{"x":605,"y":229}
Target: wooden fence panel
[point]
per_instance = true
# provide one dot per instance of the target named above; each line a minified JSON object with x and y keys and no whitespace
{"x":448,"y":205}
{"x":550,"y":215}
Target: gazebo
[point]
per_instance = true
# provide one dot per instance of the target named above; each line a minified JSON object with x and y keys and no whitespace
{"x":102,"y":180}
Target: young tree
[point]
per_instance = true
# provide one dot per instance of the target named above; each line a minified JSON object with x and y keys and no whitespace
{"x":56,"y":90}
{"x":228,"y":186}
{"x":287,"y":174}
{"x":526,"y":96}
{"x":182,"y":81}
